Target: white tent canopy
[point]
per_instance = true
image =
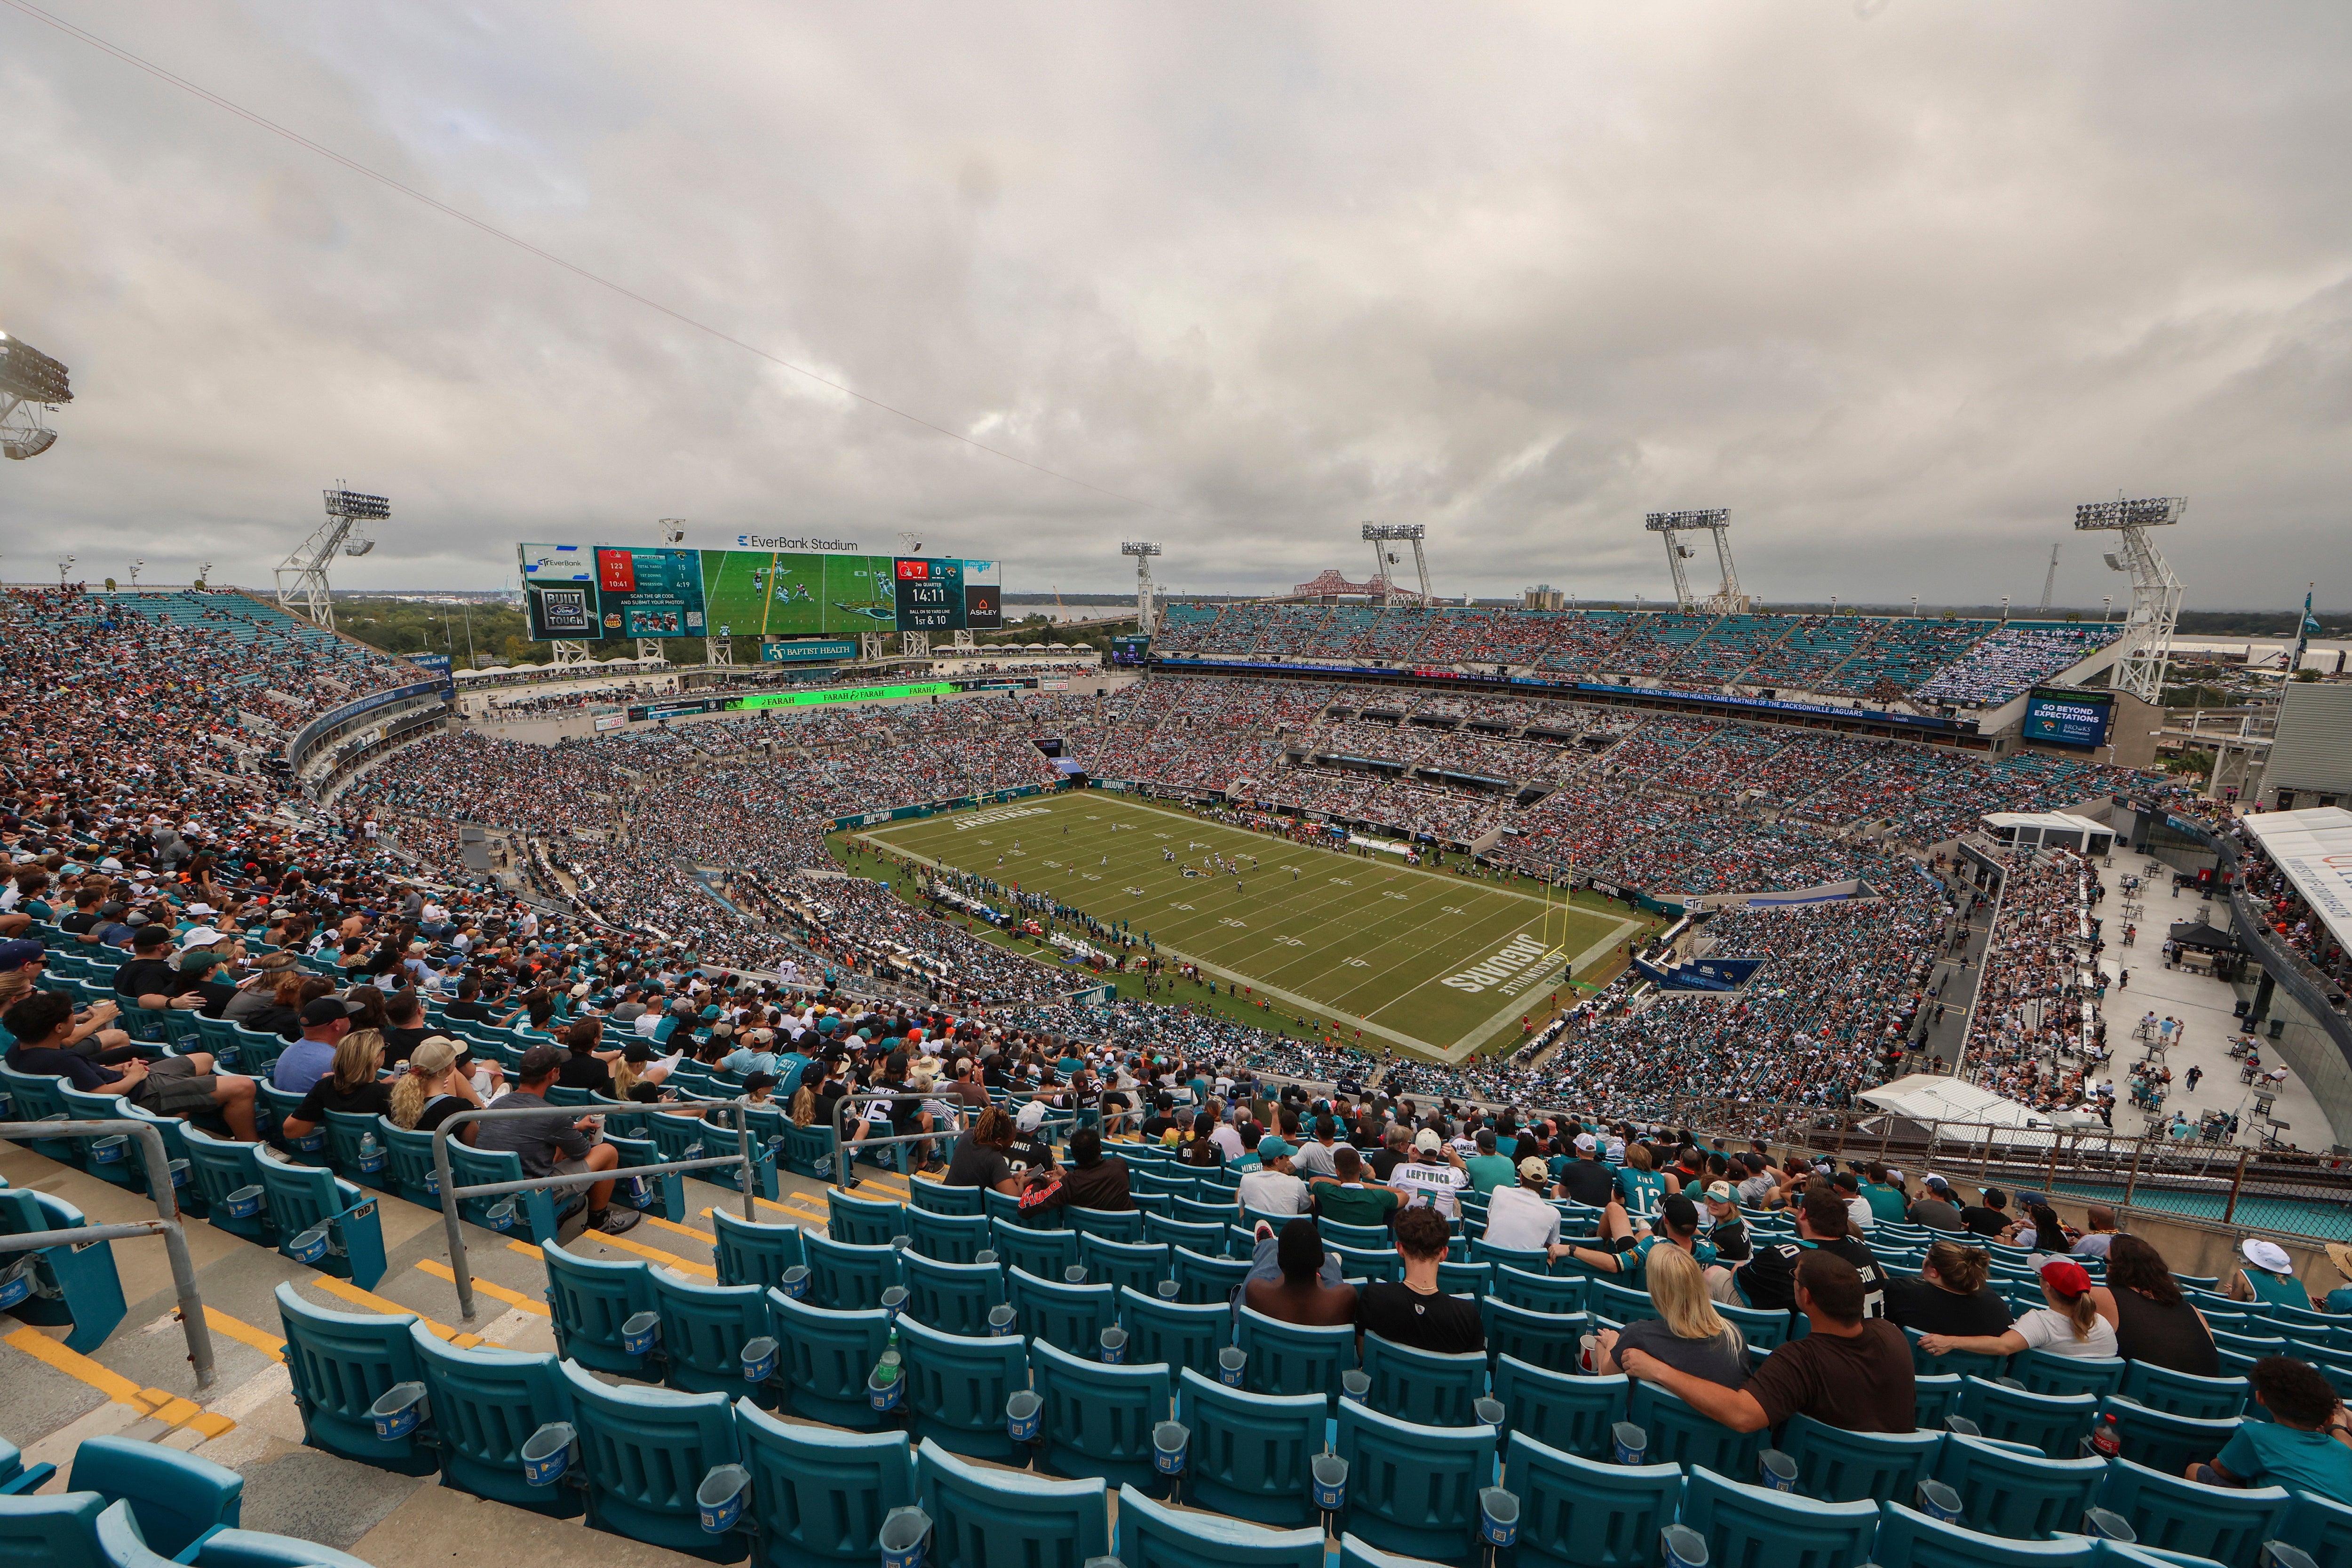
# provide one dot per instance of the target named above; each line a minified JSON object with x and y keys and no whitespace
{"x":2314,"y":848}
{"x":1927,"y":1097}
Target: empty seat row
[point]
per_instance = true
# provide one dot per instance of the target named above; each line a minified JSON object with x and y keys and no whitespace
{"x":140,"y":1505}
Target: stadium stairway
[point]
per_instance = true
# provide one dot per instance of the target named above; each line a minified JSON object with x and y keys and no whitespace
{"x":138,"y":1383}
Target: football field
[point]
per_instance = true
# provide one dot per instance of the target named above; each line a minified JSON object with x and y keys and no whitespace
{"x":1425,"y":959}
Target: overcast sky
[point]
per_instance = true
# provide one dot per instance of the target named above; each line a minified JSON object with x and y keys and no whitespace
{"x":1898,"y":283}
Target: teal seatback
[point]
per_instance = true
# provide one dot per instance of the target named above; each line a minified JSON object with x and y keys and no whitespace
{"x":1423,"y":1386}
{"x":589,"y":1299}
{"x":1414,"y":1488}
{"x":1576,"y":1512}
{"x":1287,"y":1358}
{"x":346,"y":1134}
{"x":410,"y":1163}
{"x":1069,"y":1317}
{"x":1765,"y":1330}
{"x":1203,"y":1238}
{"x":2171,"y":1392}
{"x":956,"y":1387}
{"x":175,"y":1132}
{"x":537,"y":1213}
{"x":1909,"y":1539}
{"x":1681,"y":1434}
{"x":486,"y":1403}
{"x":2161,"y":1442}
{"x":2025,"y":1496}
{"x":1098,"y":1418}
{"x":820,"y":1496}
{"x":74,"y":1285}
{"x":954,"y":1298}
{"x":989,"y":1519}
{"x":304,"y":1196}
{"x":1171,"y":1332}
{"x":2168,"y":1513}
{"x":1125,"y":1265}
{"x":2053,"y":1423}
{"x":1042,"y":1253}
{"x":862,"y":1222}
{"x":1109,"y":1225}
{"x":123,"y":1164}
{"x":1619,"y":1303}
{"x":1754,"y":1527}
{"x":1933,"y":1398}
{"x":119,"y":1542}
{"x":1248,"y":1452}
{"x":827,"y":1357}
{"x":848,"y":1278}
{"x":946,"y":1237}
{"x":646,"y":1452}
{"x":254,"y":1549}
{"x":1965,"y":1363}
{"x":55,"y":1529}
{"x":1204,"y":1278}
{"x":340,"y":1363}
{"x":940,"y":1198}
{"x":703,"y":1330}
{"x":662,"y":1194}
{"x":220,"y":1166}
{"x":1838,"y":1466}
{"x":750,"y":1253}
{"x":1153,"y":1535}
{"x":2321,"y":1527}
{"x":175,"y":1496}
{"x":1547,"y":1339}
{"x":810,"y":1152}
{"x":1571,"y":1413}
{"x":2044,"y":1372}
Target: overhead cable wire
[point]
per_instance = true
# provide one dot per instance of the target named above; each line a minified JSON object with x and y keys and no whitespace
{"x":83,"y":34}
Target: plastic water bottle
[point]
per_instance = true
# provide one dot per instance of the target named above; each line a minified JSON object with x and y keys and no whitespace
{"x":371,"y":1153}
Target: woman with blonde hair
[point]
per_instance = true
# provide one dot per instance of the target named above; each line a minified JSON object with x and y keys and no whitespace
{"x":2069,"y":1326}
{"x":1688,"y":1334}
{"x":351,"y":1086}
{"x":434,"y":1089}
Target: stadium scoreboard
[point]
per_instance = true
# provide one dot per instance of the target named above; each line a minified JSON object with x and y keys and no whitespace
{"x":608,"y":591}
{"x":2063,"y":715}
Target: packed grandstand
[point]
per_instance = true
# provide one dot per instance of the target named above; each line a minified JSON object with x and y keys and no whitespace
{"x":652,"y":928}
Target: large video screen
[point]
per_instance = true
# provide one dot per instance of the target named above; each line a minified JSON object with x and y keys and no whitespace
{"x":577,"y":591}
{"x":2060,"y":716}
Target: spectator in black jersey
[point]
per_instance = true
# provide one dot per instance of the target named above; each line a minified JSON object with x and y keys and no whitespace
{"x":1951,"y":1295}
{"x":1991,"y":1218}
{"x":149,"y":979}
{"x":1768,"y":1282}
{"x":1584,"y":1179}
{"x":583,"y":1066}
{"x":468,"y":1006}
{"x":1417,"y":1313}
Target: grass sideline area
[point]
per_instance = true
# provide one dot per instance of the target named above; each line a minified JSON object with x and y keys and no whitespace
{"x":1321,"y":941}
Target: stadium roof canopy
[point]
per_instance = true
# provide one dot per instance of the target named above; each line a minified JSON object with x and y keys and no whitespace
{"x":1925,"y":1098}
{"x":2314,"y":848}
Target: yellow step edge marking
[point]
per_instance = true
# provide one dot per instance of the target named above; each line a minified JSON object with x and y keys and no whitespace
{"x":210,"y":1424}
{"x":655,"y":1255}
{"x":656,"y":1221}
{"x":267,"y":1343}
{"x":496,"y":1292}
{"x":799,"y":1214}
{"x":75,"y":1364}
{"x":178,"y":1411}
{"x":375,"y":1303}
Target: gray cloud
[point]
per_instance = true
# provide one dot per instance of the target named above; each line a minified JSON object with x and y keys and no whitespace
{"x":1898,"y":286}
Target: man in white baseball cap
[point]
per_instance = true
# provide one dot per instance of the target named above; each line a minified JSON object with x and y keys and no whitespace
{"x":2268,"y":1276}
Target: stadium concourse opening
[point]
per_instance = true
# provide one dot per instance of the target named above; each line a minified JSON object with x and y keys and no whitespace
{"x":1414,"y":957}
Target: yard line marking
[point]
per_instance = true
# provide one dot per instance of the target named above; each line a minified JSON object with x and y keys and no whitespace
{"x":496,"y":1292}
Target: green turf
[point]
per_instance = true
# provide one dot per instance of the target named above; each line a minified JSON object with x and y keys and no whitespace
{"x":1366,"y":942}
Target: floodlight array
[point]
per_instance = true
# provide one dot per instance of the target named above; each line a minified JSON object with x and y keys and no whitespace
{"x":27,"y":372}
{"x":357,"y":507}
{"x":1395,"y":530}
{"x":1138,"y":547}
{"x":1670,"y":521}
{"x":2151,"y":512}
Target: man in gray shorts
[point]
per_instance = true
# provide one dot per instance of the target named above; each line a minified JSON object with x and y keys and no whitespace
{"x":555,"y":1144}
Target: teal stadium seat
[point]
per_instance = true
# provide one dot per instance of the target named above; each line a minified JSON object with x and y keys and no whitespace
{"x":644,"y":1452}
{"x":1125,"y":1265}
{"x":1248,"y":1452}
{"x":409,"y":1155}
{"x":1287,"y":1358}
{"x":305,"y":1198}
{"x":1681,"y":1435}
{"x":1837,"y":1465}
{"x":945,"y":1238}
{"x":1204,"y":1239}
{"x":485,"y":1404}
{"x":1751,"y":1527}
{"x":2020,"y":1495}
{"x":1576,"y":1512}
{"x":1043,"y":1254}
{"x":2042,"y":1372}
{"x":2321,"y":1527}
{"x":59,"y":1530}
{"x":2168,"y":1513}
{"x":956,"y":1387}
{"x":1202,"y":1278}
{"x":1356,"y":1553}
{"x":820,"y":1496}
{"x":16,"y":1478}
{"x":749,"y":1253}
{"x":1414,"y":1488}
{"x":1097,"y":1419}
{"x":2161,"y":1442}
{"x":589,"y":1299}
{"x":862,"y":1222}
{"x":940,"y":1198}
{"x":1153,"y":1535}
{"x":1109,"y":1225}
{"x":1171,"y":1332}
{"x":953,"y":1298}
{"x":1547,"y":1339}
{"x":1068,"y":1317}
{"x":1423,"y":1386}
{"x":1909,"y":1539}
{"x":847,"y":1279}
{"x":2053,"y":1423}
{"x":177,"y":1498}
{"x":826,"y":1358}
{"x":1573,"y":1415}
{"x":2183,"y":1393}
{"x":1933,"y":1398}
{"x":340,"y":1363}
{"x":989,"y":1519}
{"x":76,"y":1287}
{"x":703,"y":1329}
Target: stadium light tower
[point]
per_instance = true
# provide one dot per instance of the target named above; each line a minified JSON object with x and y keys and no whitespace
{"x":1380,"y":534}
{"x":2146,"y":649}
{"x":31,"y":385}
{"x":1145,"y":611}
{"x":1726,"y":600}
{"x":308,"y":593}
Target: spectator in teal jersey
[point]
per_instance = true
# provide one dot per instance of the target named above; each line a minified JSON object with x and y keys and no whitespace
{"x":2307,"y":1446}
{"x":1677,"y":1226}
{"x":1886,"y":1200}
{"x":2340,"y":1299}
{"x":1640,"y":1189}
{"x":1488,"y":1168}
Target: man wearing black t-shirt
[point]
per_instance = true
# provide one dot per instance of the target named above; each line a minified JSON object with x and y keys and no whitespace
{"x":1989,"y":1217}
{"x":406,"y":1014}
{"x":469,"y":1006}
{"x":1417,"y":1313}
{"x":149,"y":979}
{"x":1585,"y":1179}
{"x":1768,"y":1282}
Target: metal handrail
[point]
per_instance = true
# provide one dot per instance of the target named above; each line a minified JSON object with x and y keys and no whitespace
{"x":453,"y":1225}
{"x":166,"y":1223}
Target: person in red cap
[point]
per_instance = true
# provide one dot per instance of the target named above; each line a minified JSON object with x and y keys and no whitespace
{"x":2070,"y":1325}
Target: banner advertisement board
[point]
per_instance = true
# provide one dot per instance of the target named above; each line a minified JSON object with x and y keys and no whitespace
{"x":437,"y":665}
{"x":807,"y":648}
{"x":649,"y":593}
{"x":2062,"y":716}
{"x":828,"y":590}
{"x":840,"y":694}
